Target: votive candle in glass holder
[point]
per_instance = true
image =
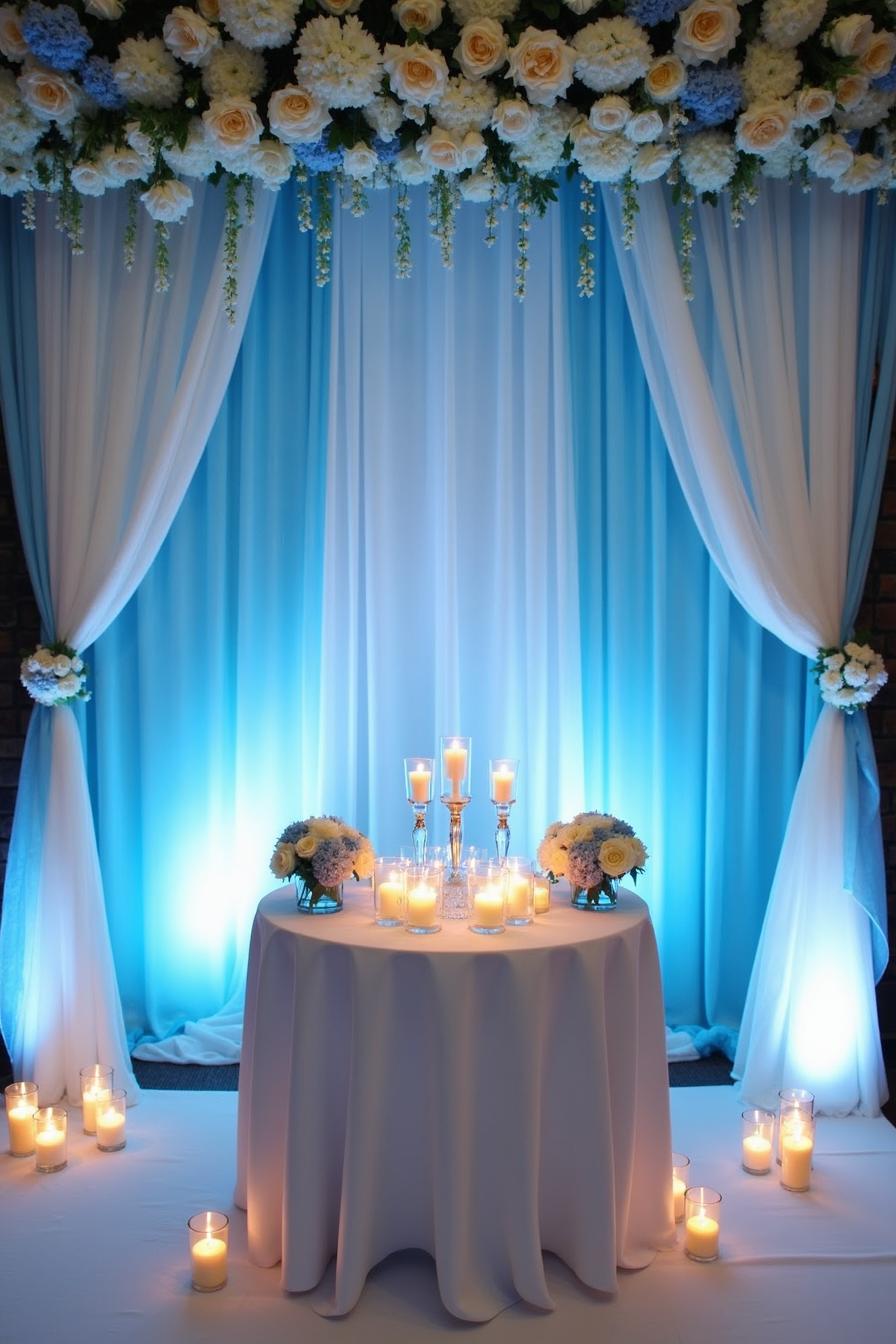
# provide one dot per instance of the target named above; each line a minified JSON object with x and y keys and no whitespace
{"x":486,"y":897}
{"x":796,"y":1101}
{"x":423,"y":902}
{"x":389,"y":891}
{"x":96,"y":1086}
{"x":50,"y":1138}
{"x":680,"y":1165}
{"x":418,"y":775}
{"x":21,"y":1103}
{"x":797,"y":1147}
{"x":757,"y":1133}
{"x":518,"y":896}
{"x":111,"y":1121}
{"x":702,"y":1207}
{"x":541,"y":895}
{"x":209,"y":1235}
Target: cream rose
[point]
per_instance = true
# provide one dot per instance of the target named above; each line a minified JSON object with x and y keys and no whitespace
{"x":325,"y":828}
{"x":105,"y":9}
{"x":424,"y":15}
{"x":644,"y":127}
{"x":12,"y":43}
{"x":665,"y":78}
{"x":878,"y":55}
{"x":812,"y":106}
{"x":543,"y":64}
{"x":168,"y":202}
{"x":851,"y":90}
{"x":707,"y":30}
{"x":50,"y":95}
{"x":122,"y":164}
{"x":296,"y":116}
{"x":360,"y":160}
{"x":514,"y":119}
{"x":411,"y":169}
{"x":340,"y":7}
{"x":442,"y":150}
{"x":283,"y":860}
{"x":306,"y":847}
{"x":270,"y":162}
{"x":609,"y":113}
{"x":417,"y":73}
{"x":764,"y":126}
{"x":652,"y":162}
{"x":850,"y":35}
{"x":482,"y":48}
{"x":615,"y":857}
{"x":209,"y":9}
{"x":232,"y":123}
{"x":189,"y":37}
{"x":865,"y":171}
{"x":476,"y":188}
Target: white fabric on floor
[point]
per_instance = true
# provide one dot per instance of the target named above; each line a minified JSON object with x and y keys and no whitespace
{"x":98,"y":1252}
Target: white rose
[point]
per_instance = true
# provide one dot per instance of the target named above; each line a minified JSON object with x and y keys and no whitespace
{"x":283,"y":861}
{"x":49,"y":94}
{"x":878,"y":55}
{"x":851,"y":90}
{"x":830,"y":156}
{"x":850,"y":35}
{"x":813,"y":106}
{"x":62,"y":665}
{"x":477,"y":187}
{"x":270,"y":161}
{"x":442,"y":150}
{"x":764,"y":126}
{"x":12,"y":43}
{"x":609,"y":113}
{"x":865,"y":172}
{"x":105,"y":9}
{"x":652,"y":162}
{"x":210,"y":9}
{"x":189,"y":37}
{"x":482,"y":48}
{"x":416,"y":73}
{"x":580,"y":7}
{"x":665,"y":79}
{"x":473,"y":149}
{"x":424,"y":15}
{"x":88,"y":178}
{"x":296,"y":115}
{"x":232,"y":123}
{"x":707,"y":30}
{"x":121,"y":164}
{"x":139,"y":141}
{"x":644,"y":127}
{"x":411,"y":169}
{"x":360,"y":160}
{"x":543,"y":64}
{"x":168,"y":201}
{"x":514,"y":119}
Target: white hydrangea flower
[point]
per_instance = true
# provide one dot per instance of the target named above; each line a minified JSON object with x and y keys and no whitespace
{"x":270,"y":162}
{"x":197,"y":158}
{"x":787,"y":23}
{"x":769,"y":72}
{"x":782,"y":162}
{"x":829,"y":156}
{"x":464,"y":10}
{"x":260,"y":23}
{"x":20,"y":129}
{"x":465,"y":105}
{"x":542,"y":148}
{"x":88,"y":178}
{"x":15,"y":176}
{"x":168,"y":202}
{"x":233,"y":71}
{"x":601,"y":158}
{"x":708,"y":160}
{"x":611,"y":54}
{"x":147,"y":73}
{"x":385,"y":115}
{"x":339,"y":61}
{"x":865,"y":173}
{"x":868,"y":111}
{"x":652,"y":162}
{"x":855,"y":673}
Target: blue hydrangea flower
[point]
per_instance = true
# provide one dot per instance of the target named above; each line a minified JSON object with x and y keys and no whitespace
{"x":318,"y":156}
{"x":386,"y":150}
{"x":852,"y":138}
{"x":887,"y":82}
{"x":713,"y":93}
{"x":55,"y":36}
{"x":651,"y":12}
{"x":99,"y":83}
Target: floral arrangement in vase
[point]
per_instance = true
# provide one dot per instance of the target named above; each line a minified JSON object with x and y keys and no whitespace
{"x":593,"y":851}
{"x":486,"y":101}
{"x":849,"y":678}
{"x":54,"y":674}
{"x":322,"y":853}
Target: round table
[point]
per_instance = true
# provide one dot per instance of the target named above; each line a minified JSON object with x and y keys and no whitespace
{"x":481,"y":1098}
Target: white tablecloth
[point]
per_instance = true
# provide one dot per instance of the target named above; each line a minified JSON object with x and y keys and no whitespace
{"x":482,"y":1099}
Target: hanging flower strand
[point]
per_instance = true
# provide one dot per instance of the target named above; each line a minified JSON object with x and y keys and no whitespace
{"x":401,"y":220}
{"x":586,"y":251}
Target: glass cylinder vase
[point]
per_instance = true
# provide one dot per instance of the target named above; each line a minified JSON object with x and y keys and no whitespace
{"x":317,"y":899}
{"x":602,"y":897}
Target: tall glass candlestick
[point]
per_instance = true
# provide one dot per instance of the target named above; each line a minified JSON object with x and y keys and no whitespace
{"x":502,"y":780}
{"x":455,"y":755}
{"x":418,"y":772}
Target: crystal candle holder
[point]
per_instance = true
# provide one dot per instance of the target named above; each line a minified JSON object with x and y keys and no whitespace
{"x":793,"y":1101}
{"x":702,"y":1207}
{"x":757,"y":1134}
{"x":797,"y":1147}
{"x":96,"y":1086}
{"x":423,"y":902}
{"x":389,"y":892}
{"x":50,"y":1138}
{"x":519,"y":907}
{"x":680,"y":1165}
{"x":418,"y":775}
{"x":541,"y":894}
{"x":502,"y":773}
{"x":111,"y":1121}
{"x":209,"y":1235}
{"x":486,"y":900}
{"x":21,"y":1103}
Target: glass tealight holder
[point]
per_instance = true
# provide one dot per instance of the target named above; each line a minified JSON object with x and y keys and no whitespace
{"x":111,"y":1121}
{"x":209,"y":1235}
{"x":96,"y":1086}
{"x":797,"y":1147}
{"x":680,"y":1166}
{"x":541,"y":894}
{"x":756,"y":1139}
{"x":702,"y":1207}
{"x":423,"y":901}
{"x":21,"y":1103}
{"x":50,"y":1138}
{"x":486,"y":900}
{"x":389,"y":891}
{"x":519,"y":905}
{"x":793,"y":1101}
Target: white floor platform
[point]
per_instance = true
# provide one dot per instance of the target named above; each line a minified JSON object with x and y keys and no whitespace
{"x":98,"y":1253}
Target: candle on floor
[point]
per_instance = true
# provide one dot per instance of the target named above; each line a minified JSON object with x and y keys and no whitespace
{"x":680,"y":1165}
{"x":793,"y":1103}
{"x":208,"y":1251}
{"x":502,"y":785}
{"x":797,"y":1146}
{"x":701,"y":1228}
{"x":96,"y":1086}
{"x":757,"y":1128}
{"x":21,"y":1103}
{"x":50,"y":1138}
{"x":542,"y":898}
{"x":111,"y":1118}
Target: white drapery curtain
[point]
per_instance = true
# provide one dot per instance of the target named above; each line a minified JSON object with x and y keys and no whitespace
{"x":756,"y":392}
{"x":130,"y":383}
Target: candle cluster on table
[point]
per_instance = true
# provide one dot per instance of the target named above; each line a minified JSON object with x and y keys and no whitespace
{"x":209,"y":1236}
{"x":495,"y":897}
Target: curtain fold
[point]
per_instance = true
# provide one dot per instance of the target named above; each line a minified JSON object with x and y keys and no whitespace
{"x":758,"y":389}
{"x":127,"y":386}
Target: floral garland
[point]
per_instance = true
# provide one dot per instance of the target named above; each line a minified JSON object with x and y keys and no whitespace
{"x":849,"y":678}
{"x":322,"y":852}
{"x":54,"y":674}
{"x":593,"y":851}
{"x":480,"y":100}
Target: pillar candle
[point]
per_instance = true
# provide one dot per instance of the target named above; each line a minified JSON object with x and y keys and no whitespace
{"x":422,"y":905}
{"x":455,"y":763}
{"x":50,"y":1147}
{"x":209,"y":1261}
{"x":796,"y":1160}
{"x":678,"y":1189}
{"x":21,"y":1130}
{"x":420,"y":780}
{"x":702,"y":1236}
{"x":109,"y":1128}
{"x":517,"y":896}
{"x":488,"y":908}
{"x":502,"y":786}
{"x":390,"y":899}
{"x":89,"y":1099}
{"x":756,"y":1153}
